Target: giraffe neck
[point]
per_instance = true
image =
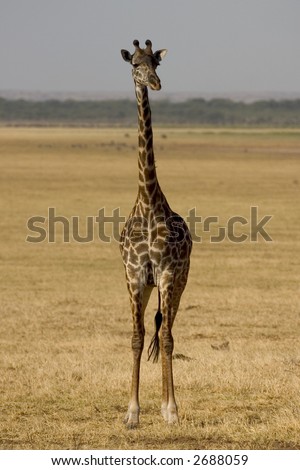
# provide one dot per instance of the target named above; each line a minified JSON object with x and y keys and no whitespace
{"x":149,"y":189}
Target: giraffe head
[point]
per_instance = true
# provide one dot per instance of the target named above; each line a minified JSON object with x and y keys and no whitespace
{"x":144,"y":63}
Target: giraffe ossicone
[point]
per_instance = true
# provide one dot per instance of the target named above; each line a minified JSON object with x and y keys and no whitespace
{"x":155,"y":245}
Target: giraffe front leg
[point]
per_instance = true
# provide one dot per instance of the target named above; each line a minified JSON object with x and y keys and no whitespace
{"x":170,"y":302}
{"x":164,"y":404}
{"x":132,"y":416}
{"x":139,"y":299}
{"x":169,"y":407}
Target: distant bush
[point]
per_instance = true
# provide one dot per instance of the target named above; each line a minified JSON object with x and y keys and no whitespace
{"x":216,"y":112}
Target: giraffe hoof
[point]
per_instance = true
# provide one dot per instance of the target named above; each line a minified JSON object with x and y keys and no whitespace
{"x":173,"y":419}
{"x":131,"y":425}
{"x":164,"y":412}
{"x":170,"y":415}
{"x":131,"y":421}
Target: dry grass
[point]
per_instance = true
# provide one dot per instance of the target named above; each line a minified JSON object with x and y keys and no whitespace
{"x":65,"y":320}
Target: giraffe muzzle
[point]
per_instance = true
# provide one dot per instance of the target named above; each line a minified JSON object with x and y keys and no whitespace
{"x":154,"y":83}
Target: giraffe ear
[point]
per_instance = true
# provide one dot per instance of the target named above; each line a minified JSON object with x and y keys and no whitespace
{"x":160,"y":54}
{"x":126,"y":55}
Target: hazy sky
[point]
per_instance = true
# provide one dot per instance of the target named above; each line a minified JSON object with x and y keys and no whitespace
{"x":213,"y":45}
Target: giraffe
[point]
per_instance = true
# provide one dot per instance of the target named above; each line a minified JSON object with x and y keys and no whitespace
{"x":155,"y":245}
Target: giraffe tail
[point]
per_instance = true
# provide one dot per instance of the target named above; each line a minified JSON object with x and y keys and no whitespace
{"x":153,"y":350}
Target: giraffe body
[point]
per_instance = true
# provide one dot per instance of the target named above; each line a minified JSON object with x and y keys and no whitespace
{"x":155,"y":246}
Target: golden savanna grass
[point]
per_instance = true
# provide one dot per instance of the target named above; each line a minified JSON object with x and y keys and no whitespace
{"x":65,"y":318}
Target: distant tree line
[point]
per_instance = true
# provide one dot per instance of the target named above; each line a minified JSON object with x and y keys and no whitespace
{"x":194,"y":112}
